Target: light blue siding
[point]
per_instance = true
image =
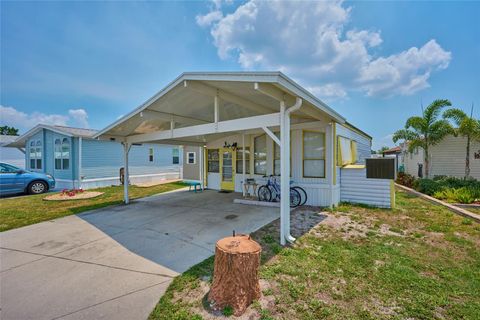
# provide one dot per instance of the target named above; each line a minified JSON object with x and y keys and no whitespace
{"x":103,"y":159}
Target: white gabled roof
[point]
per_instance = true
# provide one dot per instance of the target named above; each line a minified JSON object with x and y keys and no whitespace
{"x":171,"y":100}
{"x":20,"y":141}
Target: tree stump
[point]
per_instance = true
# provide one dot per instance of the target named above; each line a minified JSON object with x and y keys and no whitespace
{"x":235,"y":277}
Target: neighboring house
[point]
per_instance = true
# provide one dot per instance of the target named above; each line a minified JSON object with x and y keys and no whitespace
{"x":222,"y":114}
{"x":447,"y":158}
{"x":76,"y":160}
{"x":13,"y":156}
{"x":395,"y":152}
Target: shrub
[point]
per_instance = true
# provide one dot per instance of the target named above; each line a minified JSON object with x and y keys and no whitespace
{"x":405,"y":179}
{"x":427,"y":186}
{"x":461,"y":195}
{"x":464,"y":195}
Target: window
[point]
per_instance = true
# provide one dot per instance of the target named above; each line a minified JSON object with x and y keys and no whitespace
{"x":344,"y":155}
{"x":276,"y":156}
{"x":38,"y":151}
{"x":6,"y":168}
{"x":260,"y":155}
{"x":33,"y":155}
{"x":313,"y":154}
{"x":58,"y":154}
{"x":62,"y":154}
{"x":175,"y":156}
{"x":150,"y":154}
{"x":240,"y":160}
{"x":65,"y":153}
{"x":213,"y":160}
{"x":191,"y":157}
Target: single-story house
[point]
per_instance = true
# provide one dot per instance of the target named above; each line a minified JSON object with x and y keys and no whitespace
{"x":248,"y":125}
{"x":76,"y":160}
{"x":447,"y":158}
{"x":13,"y":156}
{"x":395,"y":152}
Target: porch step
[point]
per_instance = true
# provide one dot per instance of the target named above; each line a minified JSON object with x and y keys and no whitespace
{"x":257,"y":203}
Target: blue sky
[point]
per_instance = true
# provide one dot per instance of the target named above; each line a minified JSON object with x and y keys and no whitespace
{"x":87,"y":63}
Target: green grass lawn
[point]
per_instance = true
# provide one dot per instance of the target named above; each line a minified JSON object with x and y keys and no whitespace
{"x":418,"y":261}
{"x":21,"y":211}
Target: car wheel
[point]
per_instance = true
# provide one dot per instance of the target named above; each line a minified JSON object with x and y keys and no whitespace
{"x":37,"y":187}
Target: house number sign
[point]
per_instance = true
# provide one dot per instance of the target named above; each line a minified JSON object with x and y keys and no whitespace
{"x":476,"y":155}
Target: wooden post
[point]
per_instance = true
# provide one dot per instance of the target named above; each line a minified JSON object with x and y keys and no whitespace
{"x":235,"y":280}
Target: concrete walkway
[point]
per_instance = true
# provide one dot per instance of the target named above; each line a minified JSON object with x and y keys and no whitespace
{"x":116,"y":262}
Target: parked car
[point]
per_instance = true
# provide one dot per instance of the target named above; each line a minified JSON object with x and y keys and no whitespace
{"x":16,"y":180}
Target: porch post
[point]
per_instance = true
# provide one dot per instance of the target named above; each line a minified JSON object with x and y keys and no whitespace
{"x":200,"y":165}
{"x":126,"y":176}
{"x":284,"y":175}
{"x":243,"y":164}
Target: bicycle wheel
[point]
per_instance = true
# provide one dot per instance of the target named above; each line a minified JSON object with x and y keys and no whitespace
{"x":295,"y":198}
{"x":303,"y":194}
{"x":264,"y":194}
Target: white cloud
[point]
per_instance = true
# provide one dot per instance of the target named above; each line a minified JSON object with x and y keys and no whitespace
{"x":310,"y":41}
{"x":329,"y":91}
{"x":209,"y":18}
{"x":23,"y":121}
{"x":79,"y":117}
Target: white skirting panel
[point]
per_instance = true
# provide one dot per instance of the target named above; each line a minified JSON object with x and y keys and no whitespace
{"x":356,"y":188}
{"x":213,"y":181}
{"x":317,"y":194}
{"x":114,"y":181}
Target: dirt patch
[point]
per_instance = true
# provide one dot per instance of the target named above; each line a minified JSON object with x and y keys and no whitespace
{"x":348,"y":227}
{"x":156,"y":183}
{"x":193,"y":296}
{"x":78,"y":196}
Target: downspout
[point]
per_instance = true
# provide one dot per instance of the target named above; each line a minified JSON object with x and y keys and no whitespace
{"x":286,"y":177}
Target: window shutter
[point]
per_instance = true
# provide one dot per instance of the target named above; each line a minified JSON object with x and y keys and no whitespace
{"x":353,"y":146}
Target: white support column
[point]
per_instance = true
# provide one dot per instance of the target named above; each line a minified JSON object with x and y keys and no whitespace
{"x":200,"y":166}
{"x":216,"y":113}
{"x":284,"y":172}
{"x":286,"y":180}
{"x":80,"y":162}
{"x":126,"y":176}
{"x":243,"y":164}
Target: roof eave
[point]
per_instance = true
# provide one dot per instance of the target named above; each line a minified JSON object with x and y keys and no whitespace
{"x":273,"y":77}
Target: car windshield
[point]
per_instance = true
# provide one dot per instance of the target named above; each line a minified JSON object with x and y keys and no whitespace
{"x":8,"y":168}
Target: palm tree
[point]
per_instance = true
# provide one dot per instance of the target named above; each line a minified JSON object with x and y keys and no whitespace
{"x":467,"y":127}
{"x":425,"y":131}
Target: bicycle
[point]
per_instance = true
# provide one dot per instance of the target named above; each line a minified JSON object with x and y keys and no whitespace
{"x":271,"y":192}
{"x":302,"y":192}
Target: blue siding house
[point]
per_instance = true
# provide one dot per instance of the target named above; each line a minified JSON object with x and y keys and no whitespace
{"x":76,"y":160}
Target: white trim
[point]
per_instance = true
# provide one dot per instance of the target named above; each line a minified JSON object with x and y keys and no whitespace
{"x":271,"y":77}
{"x":269,"y":120}
{"x":271,"y":135}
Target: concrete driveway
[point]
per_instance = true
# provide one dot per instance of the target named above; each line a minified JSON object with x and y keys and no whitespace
{"x":115,"y":263}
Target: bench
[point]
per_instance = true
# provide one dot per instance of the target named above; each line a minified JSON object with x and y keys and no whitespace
{"x":194,"y":184}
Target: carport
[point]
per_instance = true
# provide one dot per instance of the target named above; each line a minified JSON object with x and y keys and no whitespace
{"x":197,"y":108}
{"x":115,"y":262}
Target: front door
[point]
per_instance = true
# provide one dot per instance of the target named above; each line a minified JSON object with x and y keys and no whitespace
{"x":227,"y":169}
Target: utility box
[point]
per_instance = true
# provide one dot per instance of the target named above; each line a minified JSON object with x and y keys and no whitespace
{"x":381,"y":168}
